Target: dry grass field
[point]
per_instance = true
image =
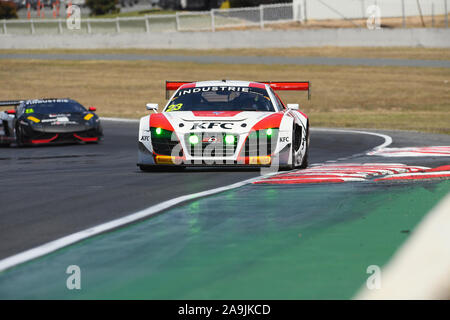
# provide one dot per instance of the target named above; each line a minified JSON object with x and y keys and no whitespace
{"x":342,"y":96}
{"x":340,"y":52}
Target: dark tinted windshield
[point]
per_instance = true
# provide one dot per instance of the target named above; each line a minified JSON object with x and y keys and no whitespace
{"x":53,"y":106}
{"x":218,"y":98}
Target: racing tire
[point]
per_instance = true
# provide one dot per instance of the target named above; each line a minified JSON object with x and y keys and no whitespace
{"x":159,"y":168}
{"x":19,"y":137}
{"x":93,"y":142}
{"x":304,"y":164}
{"x":291,"y":166}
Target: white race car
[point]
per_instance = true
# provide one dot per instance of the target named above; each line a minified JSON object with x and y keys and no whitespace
{"x":225,"y":123}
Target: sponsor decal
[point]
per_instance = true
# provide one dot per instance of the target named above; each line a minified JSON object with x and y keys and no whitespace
{"x":211,"y":139}
{"x":213,"y":88}
{"x":59,"y":115}
{"x":57,"y":123}
{"x":212,"y":125}
{"x":174,"y":107}
{"x":284,"y":139}
{"x":37,"y":101}
{"x":145,"y":138}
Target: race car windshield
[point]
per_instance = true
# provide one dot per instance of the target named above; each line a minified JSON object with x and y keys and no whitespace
{"x":216,"y":98}
{"x":54,"y":107}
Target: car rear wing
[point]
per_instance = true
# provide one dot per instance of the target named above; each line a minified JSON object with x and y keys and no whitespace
{"x":290,"y":86}
{"x":275,"y":85}
{"x":10,"y":103}
{"x":174,"y":85}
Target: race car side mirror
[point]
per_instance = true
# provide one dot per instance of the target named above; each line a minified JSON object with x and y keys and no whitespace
{"x":152,"y":107}
{"x":293,"y":106}
{"x":92,"y":109}
{"x":12,"y":111}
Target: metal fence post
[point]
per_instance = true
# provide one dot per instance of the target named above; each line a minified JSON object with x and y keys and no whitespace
{"x":363,"y":10}
{"x":147,"y":24}
{"x":213,"y":21}
{"x":88,"y":23}
{"x":177,"y":20}
{"x":261,"y":16}
{"x":446,"y":13}
{"x":403,"y":14}
{"x":32,"y":26}
{"x":432,"y":15}
{"x":305,"y":17}
{"x":60,"y":28}
{"x":5,"y":31}
{"x":297,"y":11}
{"x":117,"y":25}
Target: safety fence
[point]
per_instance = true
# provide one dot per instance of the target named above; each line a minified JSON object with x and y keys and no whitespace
{"x":341,"y":13}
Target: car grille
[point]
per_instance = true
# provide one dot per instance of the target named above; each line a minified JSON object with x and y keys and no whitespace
{"x":163,"y":146}
{"x":164,"y":142}
{"x":258,"y":143}
{"x":211,"y":144}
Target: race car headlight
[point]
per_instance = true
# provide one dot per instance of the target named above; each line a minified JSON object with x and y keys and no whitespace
{"x":88,"y":116}
{"x":160,"y":133}
{"x":268,"y":133}
{"x":193,"y":139}
{"x":229,"y":139}
{"x":34,"y":119}
{"x":261,"y":142}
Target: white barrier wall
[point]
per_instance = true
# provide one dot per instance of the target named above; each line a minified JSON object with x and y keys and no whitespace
{"x":434,"y":38}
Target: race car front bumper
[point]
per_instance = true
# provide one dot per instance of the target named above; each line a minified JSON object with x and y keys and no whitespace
{"x":37,"y":137}
{"x":149,"y":158}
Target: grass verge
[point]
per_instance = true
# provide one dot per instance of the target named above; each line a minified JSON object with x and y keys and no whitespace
{"x":340,"y":52}
{"x":342,"y":96}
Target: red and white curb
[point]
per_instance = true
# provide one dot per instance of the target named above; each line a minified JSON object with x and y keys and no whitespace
{"x":354,"y":172}
{"x":436,"y":151}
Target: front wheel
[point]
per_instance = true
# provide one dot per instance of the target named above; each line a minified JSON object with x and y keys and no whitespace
{"x":304,"y":164}
{"x":294,"y":147}
{"x":19,"y":137}
{"x":157,"y":168}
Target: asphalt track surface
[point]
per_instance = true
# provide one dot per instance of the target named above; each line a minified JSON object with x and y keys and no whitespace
{"x":230,"y":245}
{"x":330,"y":61}
{"x":52,"y":191}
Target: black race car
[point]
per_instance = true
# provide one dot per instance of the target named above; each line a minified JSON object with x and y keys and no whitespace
{"x":48,"y":121}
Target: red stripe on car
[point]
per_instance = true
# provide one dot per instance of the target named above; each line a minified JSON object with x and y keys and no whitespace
{"x":38,"y":141}
{"x":257,"y":85}
{"x":188,"y":85}
{"x":272,"y":121}
{"x":86,"y":139}
{"x":158,"y":120}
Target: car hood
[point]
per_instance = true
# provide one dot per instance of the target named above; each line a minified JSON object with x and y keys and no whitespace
{"x":61,"y":122}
